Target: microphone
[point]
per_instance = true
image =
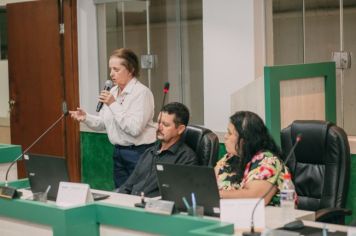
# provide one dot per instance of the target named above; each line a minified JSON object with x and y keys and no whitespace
{"x":165,"y":91}
{"x":10,"y":192}
{"x":107,"y":87}
{"x":252,"y":231}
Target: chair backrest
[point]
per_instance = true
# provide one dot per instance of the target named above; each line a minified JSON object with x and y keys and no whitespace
{"x":320,"y":164}
{"x":204,"y":142}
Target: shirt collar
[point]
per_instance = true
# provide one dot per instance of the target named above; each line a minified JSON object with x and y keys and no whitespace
{"x":173,"y":149}
{"x":130,"y":85}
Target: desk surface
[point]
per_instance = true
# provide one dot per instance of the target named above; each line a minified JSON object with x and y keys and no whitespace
{"x":113,"y":218}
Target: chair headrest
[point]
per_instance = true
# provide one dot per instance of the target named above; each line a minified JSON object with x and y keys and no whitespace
{"x":314,"y":140}
{"x":204,"y":143}
{"x":193,"y":135}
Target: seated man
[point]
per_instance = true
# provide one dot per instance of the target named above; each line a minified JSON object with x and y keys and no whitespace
{"x":169,"y":148}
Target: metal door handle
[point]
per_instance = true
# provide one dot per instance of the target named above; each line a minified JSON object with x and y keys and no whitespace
{"x":11,"y":104}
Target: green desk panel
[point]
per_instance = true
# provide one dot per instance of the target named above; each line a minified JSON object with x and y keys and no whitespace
{"x":139,"y":220}
{"x":9,"y":152}
{"x":85,"y":220}
{"x":79,"y":221}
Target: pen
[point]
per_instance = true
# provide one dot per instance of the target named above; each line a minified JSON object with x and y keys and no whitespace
{"x":47,"y":190}
{"x":194,"y":203}
{"x":186,"y":203}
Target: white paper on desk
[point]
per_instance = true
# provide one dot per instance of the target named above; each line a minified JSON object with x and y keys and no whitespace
{"x":351,"y":231}
{"x":238,"y":212}
{"x":71,"y":194}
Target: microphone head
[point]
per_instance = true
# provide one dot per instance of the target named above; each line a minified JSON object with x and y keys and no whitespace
{"x":108,"y":84}
{"x":166,"y":87}
{"x":299,"y":138}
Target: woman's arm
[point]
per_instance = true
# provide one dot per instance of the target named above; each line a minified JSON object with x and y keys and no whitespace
{"x":252,"y":189}
{"x":94,"y":122}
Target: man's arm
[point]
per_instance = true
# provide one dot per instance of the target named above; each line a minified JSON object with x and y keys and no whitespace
{"x":134,"y":177}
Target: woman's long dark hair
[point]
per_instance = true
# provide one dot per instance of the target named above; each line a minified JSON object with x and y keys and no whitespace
{"x":253,"y":137}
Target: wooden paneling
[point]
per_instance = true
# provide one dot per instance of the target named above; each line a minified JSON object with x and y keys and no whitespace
{"x":302,"y":99}
{"x":36,"y":79}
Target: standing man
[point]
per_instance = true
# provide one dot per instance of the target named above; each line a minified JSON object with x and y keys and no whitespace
{"x":170,"y":148}
{"x":127,"y":115}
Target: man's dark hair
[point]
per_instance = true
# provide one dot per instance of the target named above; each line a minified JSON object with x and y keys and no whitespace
{"x":180,"y":111}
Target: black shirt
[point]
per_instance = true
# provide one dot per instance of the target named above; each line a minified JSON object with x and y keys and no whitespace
{"x":144,"y":178}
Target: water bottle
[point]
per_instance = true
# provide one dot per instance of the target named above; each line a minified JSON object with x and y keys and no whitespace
{"x":287,"y":199}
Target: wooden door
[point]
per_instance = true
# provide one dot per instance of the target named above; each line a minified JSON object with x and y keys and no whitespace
{"x":41,"y":64}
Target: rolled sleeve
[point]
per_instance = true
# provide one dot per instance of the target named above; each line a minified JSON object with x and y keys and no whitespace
{"x":94,"y":122}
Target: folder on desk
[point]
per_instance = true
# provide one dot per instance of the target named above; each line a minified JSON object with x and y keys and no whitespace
{"x":178,"y":181}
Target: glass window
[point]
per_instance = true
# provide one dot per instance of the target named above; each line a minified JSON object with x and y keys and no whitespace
{"x":169,"y":32}
{"x":313,"y":35}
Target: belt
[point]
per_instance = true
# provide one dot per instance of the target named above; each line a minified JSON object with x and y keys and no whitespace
{"x":133,"y":147}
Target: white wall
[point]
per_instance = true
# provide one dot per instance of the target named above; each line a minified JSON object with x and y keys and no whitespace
{"x":88,"y":55}
{"x":233,"y":54}
{"x":4,"y":89}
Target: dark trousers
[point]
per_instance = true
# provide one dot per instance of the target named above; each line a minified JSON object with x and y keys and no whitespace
{"x":125,"y":160}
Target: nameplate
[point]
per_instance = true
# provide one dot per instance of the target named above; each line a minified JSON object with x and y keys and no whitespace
{"x":239,"y":211}
{"x":72,"y":194}
{"x":159,"y":207}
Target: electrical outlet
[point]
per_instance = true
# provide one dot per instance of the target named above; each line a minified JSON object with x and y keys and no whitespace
{"x":342,"y":60}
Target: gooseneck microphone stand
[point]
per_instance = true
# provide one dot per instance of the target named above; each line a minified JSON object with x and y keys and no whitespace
{"x":10,"y":192}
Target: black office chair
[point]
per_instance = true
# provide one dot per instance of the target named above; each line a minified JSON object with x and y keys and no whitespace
{"x":204,"y":142}
{"x":320,"y":166}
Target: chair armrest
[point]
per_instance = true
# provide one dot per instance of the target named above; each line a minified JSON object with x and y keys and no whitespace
{"x":332,"y":215}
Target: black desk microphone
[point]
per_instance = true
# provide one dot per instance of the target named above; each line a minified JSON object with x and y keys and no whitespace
{"x":252,"y":231}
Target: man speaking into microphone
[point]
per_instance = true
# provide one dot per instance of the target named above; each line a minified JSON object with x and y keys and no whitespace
{"x":125,"y":112}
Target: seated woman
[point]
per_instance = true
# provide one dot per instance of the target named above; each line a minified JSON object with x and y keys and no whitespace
{"x":252,"y":162}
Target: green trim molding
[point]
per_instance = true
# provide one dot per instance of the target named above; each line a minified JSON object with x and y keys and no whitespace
{"x":273,"y":75}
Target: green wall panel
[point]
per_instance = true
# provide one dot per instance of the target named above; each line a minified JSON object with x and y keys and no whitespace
{"x":97,"y":163}
{"x":351,"y":198}
{"x":222,"y":150}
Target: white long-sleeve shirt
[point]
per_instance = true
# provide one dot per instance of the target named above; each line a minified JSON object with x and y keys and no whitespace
{"x":128,"y":120}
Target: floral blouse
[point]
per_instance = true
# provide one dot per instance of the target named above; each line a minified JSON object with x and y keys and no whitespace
{"x":263,"y":166}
